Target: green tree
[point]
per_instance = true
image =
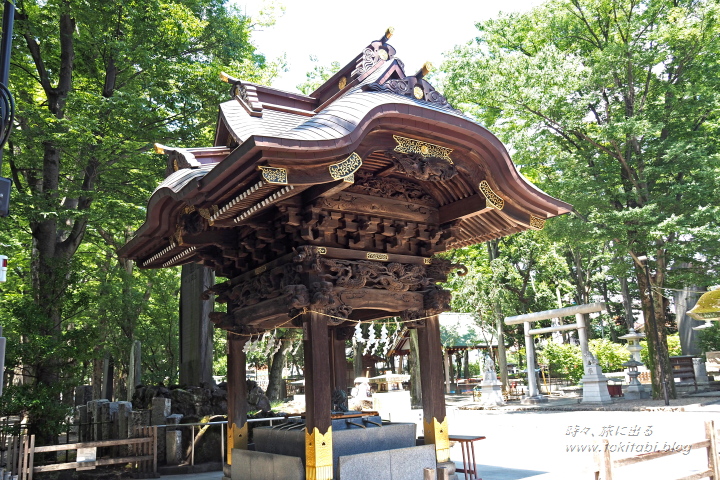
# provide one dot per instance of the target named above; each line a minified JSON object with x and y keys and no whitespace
{"x":95,"y":84}
{"x":318,"y":75}
{"x":614,"y":106}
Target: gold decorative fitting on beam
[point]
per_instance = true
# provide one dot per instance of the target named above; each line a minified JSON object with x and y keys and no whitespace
{"x":345,"y":168}
{"x":207,"y":213}
{"x":178,"y":234}
{"x":260,"y":270}
{"x":274,"y":175}
{"x":437,"y":433}
{"x":427,"y":261}
{"x":536,"y":222}
{"x":318,"y":455}
{"x":377,"y":256}
{"x":418,"y":93}
{"x":410,"y":145}
{"x":224,"y":77}
{"x":342,"y":83}
{"x":322,"y":250}
{"x":426,"y":68}
{"x":382,"y":54}
{"x":180,"y":255}
{"x":389,"y":32}
{"x":159,"y":254}
{"x":159,"y":149}
{"x":493,"y":199}
{"x":188,"y":209}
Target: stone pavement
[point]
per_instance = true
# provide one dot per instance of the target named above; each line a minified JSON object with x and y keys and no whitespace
{"x":553,"y":441}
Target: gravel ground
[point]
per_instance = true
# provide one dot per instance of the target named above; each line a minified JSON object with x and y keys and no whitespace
{"x":683,"y":403}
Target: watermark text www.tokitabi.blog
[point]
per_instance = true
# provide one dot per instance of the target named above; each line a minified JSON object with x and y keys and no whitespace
{"x":630,"y":447}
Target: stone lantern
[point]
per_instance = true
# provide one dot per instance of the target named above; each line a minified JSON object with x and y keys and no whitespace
{"x":635,"y":389}
{"x":633,"y":338}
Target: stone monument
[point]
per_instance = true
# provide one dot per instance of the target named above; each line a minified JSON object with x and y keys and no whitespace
{"x":594,"y":382}
{"x":491,"y":387}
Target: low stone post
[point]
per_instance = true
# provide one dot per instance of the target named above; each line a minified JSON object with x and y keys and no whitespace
{"x":159,"y":413}
{"x":173,"y":439}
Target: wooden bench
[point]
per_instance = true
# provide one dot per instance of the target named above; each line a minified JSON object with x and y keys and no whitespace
{"x":682,"y":368}
{"x":712,"y":362}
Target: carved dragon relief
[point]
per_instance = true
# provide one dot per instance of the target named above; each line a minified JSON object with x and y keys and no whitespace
{"x":420,"y":167}
{"x":387,"y":187}
{"x":337,"y":276}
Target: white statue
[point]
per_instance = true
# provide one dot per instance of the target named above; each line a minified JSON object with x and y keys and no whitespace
{"x":489,"y":374}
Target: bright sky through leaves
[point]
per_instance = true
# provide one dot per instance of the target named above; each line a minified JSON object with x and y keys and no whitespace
{"x":335,"y":31}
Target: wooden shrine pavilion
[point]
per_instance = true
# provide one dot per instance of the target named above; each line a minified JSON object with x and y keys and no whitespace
{"x":326,"y":209}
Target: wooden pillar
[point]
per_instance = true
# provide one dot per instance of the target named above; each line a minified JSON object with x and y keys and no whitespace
{"x":433,"y":398}
{"x":237,"y":434}
{"x":318,"y":427}
{"x":337,"y":344}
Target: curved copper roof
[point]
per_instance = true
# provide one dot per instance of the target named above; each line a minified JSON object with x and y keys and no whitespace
{"x":366,"y":109}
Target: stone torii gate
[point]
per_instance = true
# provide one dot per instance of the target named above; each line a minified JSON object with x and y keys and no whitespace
{"x":325,"y":210}
{"x":526,"y":319}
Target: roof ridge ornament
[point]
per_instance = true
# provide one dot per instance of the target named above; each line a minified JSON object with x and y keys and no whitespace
{"x":377,"y":52}
{"x":413,"y":86}
{"x":246,"y":94}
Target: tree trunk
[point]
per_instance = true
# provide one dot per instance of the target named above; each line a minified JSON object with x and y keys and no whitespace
{"x":357,"y":359}
{"x":656,"y":337}
{"x":627,"y":302}
{"x":275,"y":370}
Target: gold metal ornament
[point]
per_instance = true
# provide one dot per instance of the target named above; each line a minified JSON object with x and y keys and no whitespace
{"x":345,"y":168}
{"x":538,"y":223}
{"x":342,"y":83}
{"x":493,"y":199}
{"x":260,"y":270}
{"x":410,"y":145}
{"x":178,"y":235}
{"x":318,"y":455}
{"x":427,"y":261}
{"x":322,"y":250}
{"x":274,"y":175}
{"x":377,"y":256}
{"x":418,"y":93}
{"x":437,"y":433}
{"x":237,"y":437}
{"x":382,"y":54}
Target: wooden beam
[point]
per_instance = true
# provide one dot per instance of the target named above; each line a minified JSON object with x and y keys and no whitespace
{"x":324,"y":190}
{"x":467,"y":207}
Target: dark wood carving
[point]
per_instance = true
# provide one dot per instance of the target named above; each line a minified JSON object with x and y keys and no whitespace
{"x":388,"y":187}
{"x":431,"y":169}
{"x":364,"y":273}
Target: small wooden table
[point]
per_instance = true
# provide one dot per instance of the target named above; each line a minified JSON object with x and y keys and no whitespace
{"x":468,"y":453}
